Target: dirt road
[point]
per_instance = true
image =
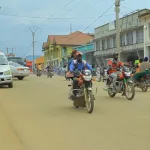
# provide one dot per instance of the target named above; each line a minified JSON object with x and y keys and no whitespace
{"x":36,"y":115}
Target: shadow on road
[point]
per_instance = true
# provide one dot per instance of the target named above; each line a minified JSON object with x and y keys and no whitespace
{"x":107,"y":98}
{"x":4,"y":87}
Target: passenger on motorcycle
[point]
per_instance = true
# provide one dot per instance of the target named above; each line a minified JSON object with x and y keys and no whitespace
{"x":73,"y":57}
{"x":143,"y":70}
{"x":114,"y":66}
{"x":138,"y":65}
{"x":78,"y":65}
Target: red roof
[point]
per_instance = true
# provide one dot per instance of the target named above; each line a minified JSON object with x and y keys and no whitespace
{"x":73,"y":39}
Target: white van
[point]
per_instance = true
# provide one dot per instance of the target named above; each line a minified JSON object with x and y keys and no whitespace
{"x":5,"y":73}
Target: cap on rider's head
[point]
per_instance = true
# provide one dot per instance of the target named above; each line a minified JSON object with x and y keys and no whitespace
{"x":79,"y":53}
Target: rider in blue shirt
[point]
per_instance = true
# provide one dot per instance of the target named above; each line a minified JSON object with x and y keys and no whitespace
{"x":78,"y":65}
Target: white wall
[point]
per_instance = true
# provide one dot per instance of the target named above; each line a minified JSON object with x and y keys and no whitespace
{"x":147,"y":37}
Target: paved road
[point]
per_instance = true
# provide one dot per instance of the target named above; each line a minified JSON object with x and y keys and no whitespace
{"x":36,"y":115}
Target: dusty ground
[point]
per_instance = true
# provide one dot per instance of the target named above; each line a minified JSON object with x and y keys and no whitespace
{"x":36,"y":115}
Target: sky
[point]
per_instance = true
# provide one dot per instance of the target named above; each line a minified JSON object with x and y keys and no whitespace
{"x":54,"y":18}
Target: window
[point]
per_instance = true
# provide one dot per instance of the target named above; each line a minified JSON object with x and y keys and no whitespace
{"x":140,"y":36}
{"x":104,"y":44}
{"x":122,"y":40}
{"x":109,"y":43}
{"x":149,"y":29}
{"x":18,"y":60}
{"x":130,"y":38}
{"x":98,"y":45}
{"x":65,"y":51}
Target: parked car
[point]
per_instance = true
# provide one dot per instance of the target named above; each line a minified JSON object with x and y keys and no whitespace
{"x":19,"y":71}
{"x":5,"y":72}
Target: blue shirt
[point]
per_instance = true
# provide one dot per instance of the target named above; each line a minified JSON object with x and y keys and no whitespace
{"x":80,"y":66}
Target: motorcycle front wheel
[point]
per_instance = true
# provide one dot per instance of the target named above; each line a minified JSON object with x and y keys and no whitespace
{"x":110,"y":93}
{"x":130,"y":91}
{"x":89,"y":102}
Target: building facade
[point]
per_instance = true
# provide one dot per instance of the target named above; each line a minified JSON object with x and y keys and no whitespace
{"x":145,"y":18}
{"x":131,"y":39}
{"x":58,"y":48}
{"x":88,"y":52}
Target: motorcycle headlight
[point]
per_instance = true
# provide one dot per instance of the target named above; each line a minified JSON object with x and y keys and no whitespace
{"x":87,"y":78}
{"x":7,"y":72}
{"x":127,"y":74}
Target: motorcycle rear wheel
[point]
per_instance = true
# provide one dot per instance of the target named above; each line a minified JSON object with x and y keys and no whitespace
{"x":90,"y":102}
{"x":145,"y":87}
{"x":131,"y":91}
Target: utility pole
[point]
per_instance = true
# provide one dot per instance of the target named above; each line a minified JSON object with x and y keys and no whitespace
{"x":117,"y":10}
{"x":33,"y":31}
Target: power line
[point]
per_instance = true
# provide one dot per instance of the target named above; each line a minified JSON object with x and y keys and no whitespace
{"x":127,"y":7}
{"x":36,"y":17}
{"x":72,"y":8}
{"x":84,"y":11}
{"x":57,"y":11}
{"x":92,"y":22}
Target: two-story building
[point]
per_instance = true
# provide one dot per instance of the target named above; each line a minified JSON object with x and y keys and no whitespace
{"x":131,"y":39}
{"x":59,"y":47}
{"x":145,"y":18}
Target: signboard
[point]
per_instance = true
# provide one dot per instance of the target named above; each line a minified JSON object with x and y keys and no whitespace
{"x":112,"y":26}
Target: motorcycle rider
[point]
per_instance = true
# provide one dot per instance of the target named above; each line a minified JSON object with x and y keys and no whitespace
{"x":145,"y":65}
{"x":114,"y":66}
{"x":50,"y":67}
{"x":78,"y":65}
{"x":39,"y":69}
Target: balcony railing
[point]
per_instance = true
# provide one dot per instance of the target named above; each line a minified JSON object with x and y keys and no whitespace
{"x":127,"y":48}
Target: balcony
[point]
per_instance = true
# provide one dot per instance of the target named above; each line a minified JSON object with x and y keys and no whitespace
{"x":124,"y":49}
{"x":105,"y":52}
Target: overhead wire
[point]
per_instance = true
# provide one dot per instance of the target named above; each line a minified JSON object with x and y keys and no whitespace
{"x":92,"y":23}
{"x":127,"y":7}
{"x":56,"y":12}
{"x":80,"y":12}
{"x":72,"y":8}
{"x":36,"y":17}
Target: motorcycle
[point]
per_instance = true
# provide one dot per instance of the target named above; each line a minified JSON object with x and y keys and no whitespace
{"x":84,"y":93}
{"x":123,"y":85}
{"x":143,"y":84}
{"x":39,"y":73}
{"x":50,"y":74}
